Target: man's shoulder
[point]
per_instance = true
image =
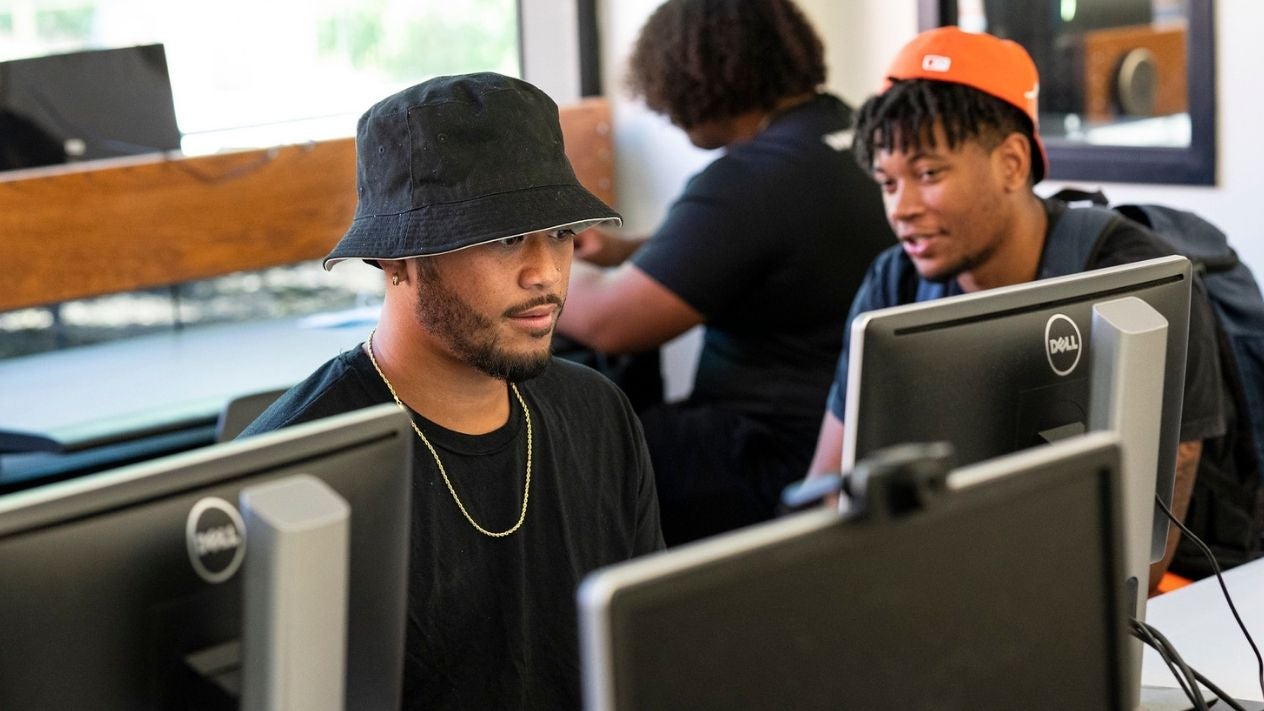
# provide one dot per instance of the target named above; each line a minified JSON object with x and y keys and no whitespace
{"x":573,"y":387}
{"x":800,"y":144}
{"x":1128,"y":241}
{"x":333,"y":388}
{"x":1120,"y":241}
{"x":569,"y":375}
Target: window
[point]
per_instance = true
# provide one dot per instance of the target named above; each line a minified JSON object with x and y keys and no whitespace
{"x":262,"y":72}
{"x":254,"y":73}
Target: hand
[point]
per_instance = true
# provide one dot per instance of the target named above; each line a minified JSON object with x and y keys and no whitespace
{"x":603,"y":247}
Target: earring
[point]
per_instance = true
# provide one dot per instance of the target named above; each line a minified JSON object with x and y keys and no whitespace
{"x":395,"y":280}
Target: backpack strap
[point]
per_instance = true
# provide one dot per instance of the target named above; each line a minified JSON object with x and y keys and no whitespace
{"x":1073,"y":242}
{"x":1187,"y":233}
{"x":1094,"y":197}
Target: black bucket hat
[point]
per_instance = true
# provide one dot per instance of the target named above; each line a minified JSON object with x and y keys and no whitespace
{"x":457,"y":161}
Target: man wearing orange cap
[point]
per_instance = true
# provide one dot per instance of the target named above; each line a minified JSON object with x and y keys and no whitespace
{"x":952,"y":141}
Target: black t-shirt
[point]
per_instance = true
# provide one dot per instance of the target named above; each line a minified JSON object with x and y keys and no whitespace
{"x":1202,"y":415}
{"x":492,"y":623}
{"x":770,"y":242}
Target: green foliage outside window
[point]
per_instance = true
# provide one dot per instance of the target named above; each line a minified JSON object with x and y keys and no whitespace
{"x":482,"y":37}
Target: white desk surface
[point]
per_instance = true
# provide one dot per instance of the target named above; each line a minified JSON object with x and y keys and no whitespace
{"x":1197,"y":621}
{"x":65,"y":400}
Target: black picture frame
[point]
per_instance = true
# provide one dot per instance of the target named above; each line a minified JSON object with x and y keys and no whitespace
{"x":1191,"y":165}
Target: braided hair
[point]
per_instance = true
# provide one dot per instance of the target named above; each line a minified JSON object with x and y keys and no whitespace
{"x":903,"y":118}
{"x":700,"y":60}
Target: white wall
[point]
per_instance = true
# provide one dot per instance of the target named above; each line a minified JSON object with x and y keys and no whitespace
{"x":550,"y":47}
{"x":653,"y":160}
{"x":860,"y":37}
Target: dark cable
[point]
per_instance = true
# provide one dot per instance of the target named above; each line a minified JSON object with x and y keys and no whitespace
{"x":1194,"y":674}
{"x":1259,"y":661}
{"x":1220,"y":693}
{"x":1142,"y":633}
{"x":1186,"y":678}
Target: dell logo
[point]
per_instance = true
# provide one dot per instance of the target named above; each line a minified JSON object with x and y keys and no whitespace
{"x":216,"y":539}
{"x":1062,"y":344}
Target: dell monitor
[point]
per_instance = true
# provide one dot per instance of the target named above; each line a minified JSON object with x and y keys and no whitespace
{"x":1010,"y":368}
{"x":127,"y":589}
{"x":85,"y":105}
{"x":1003,"y":369}
{"x":1002,"y":590}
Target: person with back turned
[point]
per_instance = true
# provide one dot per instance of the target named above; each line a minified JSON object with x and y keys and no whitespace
{"x":765,"y":249}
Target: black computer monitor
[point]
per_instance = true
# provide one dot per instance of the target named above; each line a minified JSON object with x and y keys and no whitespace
{"x":1004,"y":591}
{"x":125,"y":590}
{"x":1000,"y":370}
{"x":99,"y":103}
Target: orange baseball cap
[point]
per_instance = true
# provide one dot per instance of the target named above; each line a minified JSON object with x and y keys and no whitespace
{"x":994,"y":66}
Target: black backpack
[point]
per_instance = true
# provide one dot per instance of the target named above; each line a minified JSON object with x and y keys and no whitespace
{"x":1233,"y":516}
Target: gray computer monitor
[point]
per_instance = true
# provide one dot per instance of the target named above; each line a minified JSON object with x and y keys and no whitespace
{"x":125,"y":589}
{"x":1004,"y":591}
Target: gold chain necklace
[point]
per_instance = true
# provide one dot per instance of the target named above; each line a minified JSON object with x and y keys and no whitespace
{"x":526,"y":487}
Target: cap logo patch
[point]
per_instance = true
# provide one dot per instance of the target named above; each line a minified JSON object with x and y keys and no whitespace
{"x":936,"y":63}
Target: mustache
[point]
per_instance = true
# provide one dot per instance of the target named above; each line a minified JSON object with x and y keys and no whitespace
{"x":542,"y":300}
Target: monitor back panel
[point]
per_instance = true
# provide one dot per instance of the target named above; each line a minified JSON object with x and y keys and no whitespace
{"x":1005,"y":596}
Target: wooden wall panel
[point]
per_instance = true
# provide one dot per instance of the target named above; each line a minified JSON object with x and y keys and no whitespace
{"x":1103,"y":50}
{"x":77,"y":231}
{"x":107,"y":227}
{"x":589,"y":136}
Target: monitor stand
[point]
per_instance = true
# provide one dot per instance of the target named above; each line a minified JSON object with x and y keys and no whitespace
{"x":1129,"y":348}
{"x":294,"y":617}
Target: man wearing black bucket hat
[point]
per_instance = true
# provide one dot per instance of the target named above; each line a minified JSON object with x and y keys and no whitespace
{"x":529,"y":471}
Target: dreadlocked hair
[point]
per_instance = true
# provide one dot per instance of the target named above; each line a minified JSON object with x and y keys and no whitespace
{"x":701,"y":60}
{"x":903,"y":118}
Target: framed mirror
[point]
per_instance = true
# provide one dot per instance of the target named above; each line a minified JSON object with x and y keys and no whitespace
{"x":1127,"y":87}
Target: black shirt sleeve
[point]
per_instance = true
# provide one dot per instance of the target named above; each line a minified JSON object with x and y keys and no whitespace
{"x":710,"y":247}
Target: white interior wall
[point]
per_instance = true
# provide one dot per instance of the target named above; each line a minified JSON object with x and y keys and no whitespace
{"x":653,"y":160}
{"x":549,"y":30}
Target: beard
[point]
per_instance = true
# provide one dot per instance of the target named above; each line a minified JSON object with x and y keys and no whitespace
{"x":472,"y":336}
